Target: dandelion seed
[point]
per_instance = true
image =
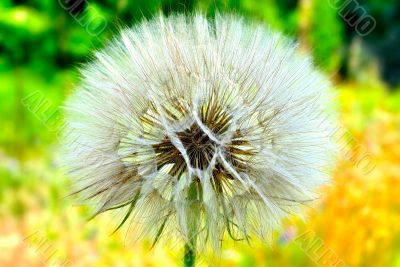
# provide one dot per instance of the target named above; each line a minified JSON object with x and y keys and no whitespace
{"x":200,"y":129}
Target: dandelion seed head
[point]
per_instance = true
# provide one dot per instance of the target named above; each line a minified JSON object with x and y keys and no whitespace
{"x":200,"y":128}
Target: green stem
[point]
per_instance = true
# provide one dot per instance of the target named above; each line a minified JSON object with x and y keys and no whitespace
{"x":193,"y":216}
{"x":189,"y":257}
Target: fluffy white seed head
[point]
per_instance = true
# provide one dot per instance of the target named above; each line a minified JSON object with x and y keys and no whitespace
{"x":200,"y":128}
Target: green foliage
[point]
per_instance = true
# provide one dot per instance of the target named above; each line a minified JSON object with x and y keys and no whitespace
{"x":326,"y":36}
{"x":22,"y":29}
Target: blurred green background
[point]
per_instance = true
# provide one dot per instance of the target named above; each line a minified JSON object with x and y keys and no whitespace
{"x":42,"y":43}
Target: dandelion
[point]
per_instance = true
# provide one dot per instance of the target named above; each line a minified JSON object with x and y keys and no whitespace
{"x":200,"y":129}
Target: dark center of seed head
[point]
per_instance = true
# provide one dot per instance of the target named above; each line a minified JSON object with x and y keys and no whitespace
{"x":199,"y":147}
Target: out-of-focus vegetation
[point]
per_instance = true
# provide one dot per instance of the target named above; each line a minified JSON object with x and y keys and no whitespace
{"x":43,"y":42}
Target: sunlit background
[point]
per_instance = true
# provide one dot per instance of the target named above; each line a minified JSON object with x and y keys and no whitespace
{"x":356,"y":223}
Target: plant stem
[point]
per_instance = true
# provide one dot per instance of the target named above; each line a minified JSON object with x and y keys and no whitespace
{"x":189,"y":257}
{"x":192,"y":220}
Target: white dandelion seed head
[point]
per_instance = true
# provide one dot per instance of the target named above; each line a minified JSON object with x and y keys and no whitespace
{"x":200,"y":128}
